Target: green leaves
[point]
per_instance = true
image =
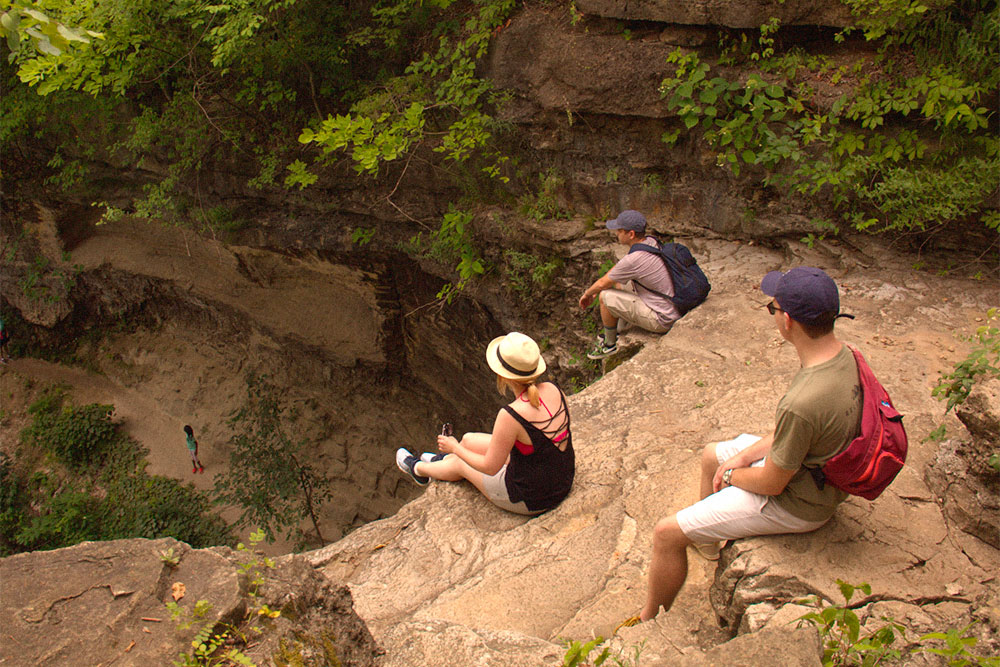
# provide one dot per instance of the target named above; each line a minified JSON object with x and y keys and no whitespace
{"x":982,"y":361}
{"x":299,"y":175}
{"x":268,"y":477}
{"x":438,"y":91}
{"x":880,"y":174}
{"x":49,"y":37}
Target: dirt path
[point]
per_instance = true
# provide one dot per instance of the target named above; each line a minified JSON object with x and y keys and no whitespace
{"x":144,"y":419}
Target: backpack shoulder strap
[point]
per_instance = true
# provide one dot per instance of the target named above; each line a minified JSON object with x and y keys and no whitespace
{"x":658,"y":251}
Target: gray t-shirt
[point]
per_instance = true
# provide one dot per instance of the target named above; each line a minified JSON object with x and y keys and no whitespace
{"x":818,"y":415}
{"x":651,"y":271}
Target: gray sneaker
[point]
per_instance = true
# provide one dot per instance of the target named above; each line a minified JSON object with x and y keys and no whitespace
{"x":406,"y":462}
{"x":602,"y":351}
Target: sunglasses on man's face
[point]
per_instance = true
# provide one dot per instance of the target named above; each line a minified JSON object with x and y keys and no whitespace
{"x":773,"y":308}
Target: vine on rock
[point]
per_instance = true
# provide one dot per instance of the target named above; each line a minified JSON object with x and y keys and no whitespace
{"x":880,"y":174}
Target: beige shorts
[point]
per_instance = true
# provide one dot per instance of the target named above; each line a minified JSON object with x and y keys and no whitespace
{"x":628,"y":306}
{"x":495,"y":489}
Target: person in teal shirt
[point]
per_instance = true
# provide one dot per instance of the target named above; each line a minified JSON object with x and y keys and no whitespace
{"x":192,"y":446}
{"x":4,"y":340}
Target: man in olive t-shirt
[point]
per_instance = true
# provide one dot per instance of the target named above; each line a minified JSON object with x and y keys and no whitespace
{"x":760,"y":486}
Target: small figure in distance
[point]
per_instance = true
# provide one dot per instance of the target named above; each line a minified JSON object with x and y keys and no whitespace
{"x":526,"y":465}
{"x":192,"y":446}
{"x":760,"y":485}
{"x":4,"y":341}
{"x":639,"y":304}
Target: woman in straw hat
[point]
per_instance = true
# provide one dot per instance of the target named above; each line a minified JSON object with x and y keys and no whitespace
{"x":526,"y":464}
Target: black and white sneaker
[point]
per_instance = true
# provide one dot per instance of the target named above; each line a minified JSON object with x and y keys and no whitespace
{"x":431,"y":457}
{"x":406,"y":461}
{"x":602,"y":351}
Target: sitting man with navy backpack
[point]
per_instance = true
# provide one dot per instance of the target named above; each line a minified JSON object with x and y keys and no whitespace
{"x":666,"y":283}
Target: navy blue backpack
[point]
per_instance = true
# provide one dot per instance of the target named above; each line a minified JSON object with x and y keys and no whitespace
{"x":691,"y":287}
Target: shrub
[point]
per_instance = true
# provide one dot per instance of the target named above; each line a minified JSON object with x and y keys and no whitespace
{"x":78,"y":436}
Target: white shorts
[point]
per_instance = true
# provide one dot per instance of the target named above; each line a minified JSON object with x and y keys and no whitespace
{"x":733,"y":513}
{"x":629,"y":307}
{"x":495,"y":490}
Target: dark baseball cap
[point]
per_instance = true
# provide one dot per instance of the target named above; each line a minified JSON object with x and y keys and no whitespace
{"x":806,"y":293}
{"x":629,"y":221}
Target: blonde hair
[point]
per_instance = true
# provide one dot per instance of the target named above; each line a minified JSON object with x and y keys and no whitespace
{"x":504,"y":384}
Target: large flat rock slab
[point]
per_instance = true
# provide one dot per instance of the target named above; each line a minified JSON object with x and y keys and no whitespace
{"x":451,"y":560}
{"x":86,"y":605}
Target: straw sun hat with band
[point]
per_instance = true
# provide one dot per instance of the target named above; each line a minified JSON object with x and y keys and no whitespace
{"x":515,"y":357}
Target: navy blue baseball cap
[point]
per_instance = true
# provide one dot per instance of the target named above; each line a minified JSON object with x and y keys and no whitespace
{"x":806,"y":293}
{"x":629,"y":221}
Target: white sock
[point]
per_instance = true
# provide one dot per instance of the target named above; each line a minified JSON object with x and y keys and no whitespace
{"x":610,"y":336}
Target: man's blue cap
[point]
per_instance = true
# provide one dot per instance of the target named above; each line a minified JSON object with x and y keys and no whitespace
{"x":629,"y":221}
{"x":806,"y":293}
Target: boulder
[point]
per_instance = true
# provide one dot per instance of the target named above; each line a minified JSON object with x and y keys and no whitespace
{"x":105,"y":603}
{"x":606,"y":74}
{"x":963,"y":482}
{"x":773,"y":646}
{"x":980,"y":413}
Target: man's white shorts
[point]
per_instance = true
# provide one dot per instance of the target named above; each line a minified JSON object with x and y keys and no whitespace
{"x":629,"y":307}
{"x":733,"y":513}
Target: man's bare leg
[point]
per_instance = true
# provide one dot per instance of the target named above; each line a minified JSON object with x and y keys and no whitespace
{"x":607,"y":318}
{"x":668,"y":568}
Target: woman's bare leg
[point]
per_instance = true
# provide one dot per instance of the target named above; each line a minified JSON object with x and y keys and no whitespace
{"x":476,"y":442}
{"x":450,"y":469}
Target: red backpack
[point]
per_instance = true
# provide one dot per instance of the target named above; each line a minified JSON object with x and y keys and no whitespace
{"x":873,"y":459}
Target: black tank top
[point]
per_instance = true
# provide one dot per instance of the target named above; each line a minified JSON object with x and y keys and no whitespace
{"x":543,"y":478}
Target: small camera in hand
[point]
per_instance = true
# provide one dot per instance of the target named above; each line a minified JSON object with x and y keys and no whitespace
{"x":446,"y":429}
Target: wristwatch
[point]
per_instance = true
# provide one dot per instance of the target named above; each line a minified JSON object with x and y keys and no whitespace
{"x":727,"y":477}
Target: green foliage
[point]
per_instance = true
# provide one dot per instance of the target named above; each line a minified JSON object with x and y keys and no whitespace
{"x":823,"y":227}
{"x":15,"y":503}
{"x":299,"y":175}
{"x":78,"y":436}
{"x":156,"y":506}
{"x":362,"y":236}
{"x":45,"y":283}
{"x":880,"y":175}
{"x":210,"y":644}
{"x":452,"y":243}
{"x":523,"y":271}
{"x":267,"y":477}
{"x":544,"y":204}
{"x":21,"y":26}
{"x":105,"y":494}
{"x":983,"y":361}
{"x":957,"y":648}
{"x":841,"y":632}
{"x":437,"y":100}
{"x":185,"y":85}
{"x":213,"y":641}
{"x":69,"y":517}
{"x":222,"y":219}
{"x":578,"y":654}
{"x":606,"y":265}
{"x":847,"y":643}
